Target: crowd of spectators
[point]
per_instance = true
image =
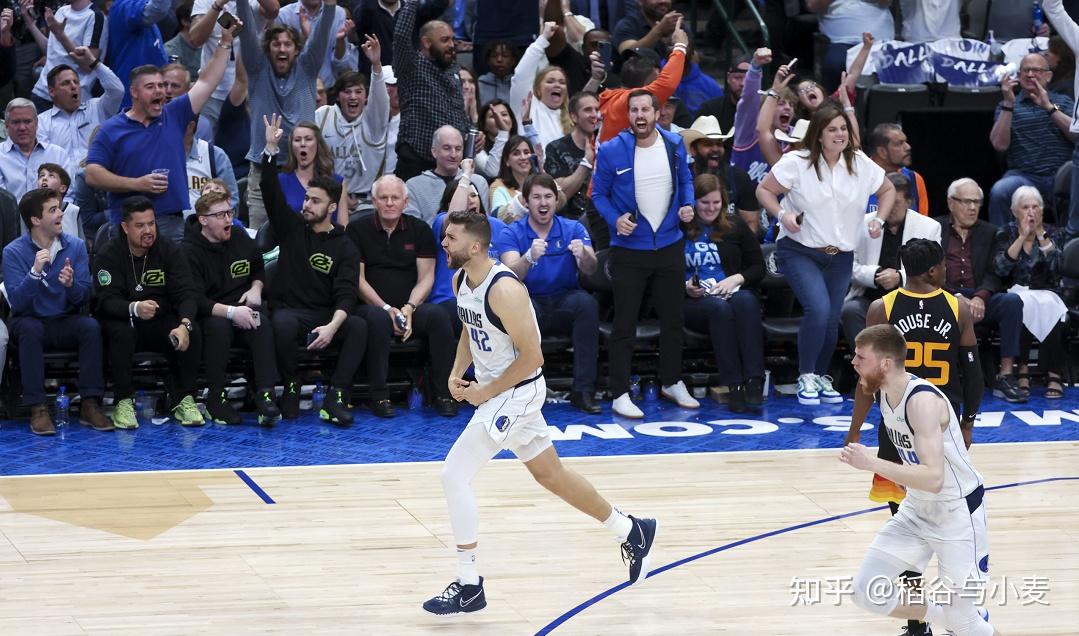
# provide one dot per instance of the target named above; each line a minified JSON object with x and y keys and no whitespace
{"x":195,"y":176}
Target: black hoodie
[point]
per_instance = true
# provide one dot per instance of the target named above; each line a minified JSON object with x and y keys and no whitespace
{"x":315,"y":270}
{"x":221,"y":272}
{"x":165,"y":276}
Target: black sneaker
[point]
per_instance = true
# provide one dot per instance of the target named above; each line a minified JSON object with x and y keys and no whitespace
{"x":458,"y":599}
{"x":636,"y":551}
{"x":916,"y":628}
{"x":266,"y":406}
{"x":1007,"y":387}
{"x":334,"y":408}
{"x":736,"y":398}
{"x":383,"y":408}
{"x":755,"y":392}
{"x":447,"y":407}
{"x":290,"y":401}
{"x":584,"y":401}
{"x":220,"y":410}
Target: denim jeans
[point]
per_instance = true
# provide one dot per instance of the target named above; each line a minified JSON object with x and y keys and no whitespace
{"x":1006,"y":312}
{"x":1000,"y":196}
{"x":820,"y":283}
{"x":576,"y":313}
{"x":735,"y":328}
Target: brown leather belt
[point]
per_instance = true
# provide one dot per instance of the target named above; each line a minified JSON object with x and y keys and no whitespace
{"x":830,"y":250}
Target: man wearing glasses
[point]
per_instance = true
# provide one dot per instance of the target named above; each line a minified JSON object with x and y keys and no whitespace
{"x":228,"y":274}
{"x":1033,"y":129}
{"x":968,"y":253}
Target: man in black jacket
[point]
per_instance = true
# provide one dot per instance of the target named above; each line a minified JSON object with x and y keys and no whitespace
{"x":145,"y":301}
{"x":316,"y":287}
{"x":229,"y":275}
{"x":968,"y":253}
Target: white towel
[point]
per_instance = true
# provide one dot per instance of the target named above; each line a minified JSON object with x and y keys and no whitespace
{"x":1042,"y":310}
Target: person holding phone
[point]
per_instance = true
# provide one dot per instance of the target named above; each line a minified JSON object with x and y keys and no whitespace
{"x":516,"y":165}
{"x":825,"y":184}
{"x":643,"y":188}
{"x":315,"y":290}
{"x":228,"y":273}
{"x":145,"y":300}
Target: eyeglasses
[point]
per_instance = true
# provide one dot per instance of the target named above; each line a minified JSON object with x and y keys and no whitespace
{"x":807,"y":90}
{"x":219,"y":215}
{"x":970,"y":203}
{"x":1033,"y":71}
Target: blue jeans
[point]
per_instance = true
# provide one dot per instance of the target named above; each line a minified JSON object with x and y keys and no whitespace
{"x":1006,"y":312}
{"x":576,"y":313}
{"x":35,"y":336}
{"x":1000,"y":196}
{"x":735,"y":328}
{"x":820,"y":283}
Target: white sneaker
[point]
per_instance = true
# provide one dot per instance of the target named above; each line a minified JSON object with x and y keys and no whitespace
{"x":807,"y":390}
{"x":625,"y":407}
{"x":828,"y":395}
{"x":678,"y":394}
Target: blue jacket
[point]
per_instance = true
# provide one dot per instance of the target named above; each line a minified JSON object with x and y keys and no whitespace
{"x":613,"y":193}
{"x":46,"y":298}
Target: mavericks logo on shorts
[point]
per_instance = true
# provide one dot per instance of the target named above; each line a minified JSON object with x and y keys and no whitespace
{"x":154,"y":278}
{"x":321,"y":263}
{"x":502,"y":423}
{"x":104,"y":278}
{"x":239,"y":269}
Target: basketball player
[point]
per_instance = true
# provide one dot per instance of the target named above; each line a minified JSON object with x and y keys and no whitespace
{"x":941,"y":348}
{"x":502,"y":339}
{"x":942,"y":513}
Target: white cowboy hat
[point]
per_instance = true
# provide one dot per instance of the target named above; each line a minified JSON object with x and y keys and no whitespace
{"x":706,"y":126}
{"x":388,"y":76}
{"x":797,"y":134}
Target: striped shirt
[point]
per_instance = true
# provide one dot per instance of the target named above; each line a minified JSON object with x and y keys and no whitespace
{"x":1037,"y":145}
{"x":430,"y":95}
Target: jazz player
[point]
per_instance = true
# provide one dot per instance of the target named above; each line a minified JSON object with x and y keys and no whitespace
{"x":502,"y":340}
{"x":942,"y":513}
{"x":941,"y":348}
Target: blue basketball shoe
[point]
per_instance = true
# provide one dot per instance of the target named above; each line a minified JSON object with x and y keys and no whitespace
{"x":637,"y":549}
{"x":458,"y":599}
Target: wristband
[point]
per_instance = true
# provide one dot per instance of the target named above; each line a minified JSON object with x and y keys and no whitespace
{"x":528,"y":257}
{"x":386,"y":307}
{"x":229,"y":312}
{"x":94,"y":64}
{"x":584,"y":162}
{"x":567,"y":14}
{"x":848,"y":109}
{"x":409,"y":304}
{"x":679,"y":46}
{"x":464,"y":182}
{"x":217,"y":8}
{"x":1007,"y":109}
{"x":133,"y":309}
{"x":769,"y":93}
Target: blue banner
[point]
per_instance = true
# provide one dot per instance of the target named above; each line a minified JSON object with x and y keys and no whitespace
{"x":900,"y":63}
{"x":959,"y":72}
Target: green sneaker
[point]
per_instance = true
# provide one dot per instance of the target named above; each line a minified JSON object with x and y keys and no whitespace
{"x":188,"y":413}
{"x":123,"y":416}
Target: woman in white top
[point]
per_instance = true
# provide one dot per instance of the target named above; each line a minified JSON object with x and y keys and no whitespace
{"x":827,"y":183}
{"x":516,"y":165}
{"x":550,"y":110}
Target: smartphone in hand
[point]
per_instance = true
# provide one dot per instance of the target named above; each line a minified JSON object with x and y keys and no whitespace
{"x":227,"y":20}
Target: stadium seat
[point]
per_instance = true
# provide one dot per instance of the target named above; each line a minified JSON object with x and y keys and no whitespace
{"x":777,"y":328}
{"x":886,"y":102}
{"x":972,"y":97}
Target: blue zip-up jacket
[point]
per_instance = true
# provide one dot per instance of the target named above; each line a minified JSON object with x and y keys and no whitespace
{"x":46,"y":298}
{"x":613,"y":193}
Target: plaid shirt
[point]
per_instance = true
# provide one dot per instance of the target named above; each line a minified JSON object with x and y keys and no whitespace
{"x":430,"y":95}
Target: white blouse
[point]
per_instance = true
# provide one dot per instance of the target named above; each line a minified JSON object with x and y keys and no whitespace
{"x":834,"y":205}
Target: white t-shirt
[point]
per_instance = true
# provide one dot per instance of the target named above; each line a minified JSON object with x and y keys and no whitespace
{"x":80,"y":29}
{"x":845,"y":20}
{"x":930,"y":20}
{"x":202,"y":7}
{"x":834,"y":205}
{"x":652,"y":186}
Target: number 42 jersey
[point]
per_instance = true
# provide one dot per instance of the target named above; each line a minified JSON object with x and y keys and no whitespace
{"x":930,"y":323}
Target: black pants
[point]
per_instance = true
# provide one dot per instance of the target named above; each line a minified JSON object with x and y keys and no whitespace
{"x":634,"y":272}
{"x":1051,"y":352}
{"x":290,"y":329}
{"x":410,"y":163}
{"x":430,"y":322}
{"x":450,"y":307}
{"x":122,"y":340}
{"x":218,"y":334}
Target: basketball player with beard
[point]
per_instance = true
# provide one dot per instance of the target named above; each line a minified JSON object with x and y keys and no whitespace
{"x":943,"y":512}
{"x":503,"y":342}
{"x":941,"y":347}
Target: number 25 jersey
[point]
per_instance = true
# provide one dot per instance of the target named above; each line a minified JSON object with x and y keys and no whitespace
{"x":930,"y":323}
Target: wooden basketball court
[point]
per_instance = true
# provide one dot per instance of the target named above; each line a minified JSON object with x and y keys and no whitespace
{"x":356,"y":549}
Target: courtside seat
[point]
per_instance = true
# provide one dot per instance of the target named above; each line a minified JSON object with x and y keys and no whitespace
{"x":599,"y":283}
{"x":777,"y":328}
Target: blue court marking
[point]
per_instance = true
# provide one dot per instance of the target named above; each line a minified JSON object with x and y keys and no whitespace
{"x":255,"y":487}
{"x":550,"y":627}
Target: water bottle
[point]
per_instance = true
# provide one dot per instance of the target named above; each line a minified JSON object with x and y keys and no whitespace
{"x":318,"y":397}
{"x":995,"y":48}
{"x":651,"y":391}
{"x":63,"y":403}
{"x":1038,"y":17}
{"x":635,"y":388}
{"x":415,"y":399}
{"x":141,"y":408}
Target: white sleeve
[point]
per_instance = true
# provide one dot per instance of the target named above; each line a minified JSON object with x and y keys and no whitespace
{"x":1062,"y":22}
{"x":787,"y":171}
{"x":525,"y":74}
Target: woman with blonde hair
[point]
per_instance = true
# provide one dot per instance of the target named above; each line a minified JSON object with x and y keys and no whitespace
{"x":309,"y":156}
{"x":549,"y":110}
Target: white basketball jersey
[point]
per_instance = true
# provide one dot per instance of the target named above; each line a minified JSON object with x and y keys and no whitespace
{"x":199,"y":170}
{"x":960,"y":477}
{"x":355,"y":157}
{"x":492,"y":348}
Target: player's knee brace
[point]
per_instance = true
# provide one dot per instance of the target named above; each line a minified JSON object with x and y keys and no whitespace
{"x":875,"y":587}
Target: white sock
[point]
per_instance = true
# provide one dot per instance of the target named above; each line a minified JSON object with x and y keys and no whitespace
{"x":468,"y":572}
{"x":619,"y":524}
{"x":934,"y":613}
